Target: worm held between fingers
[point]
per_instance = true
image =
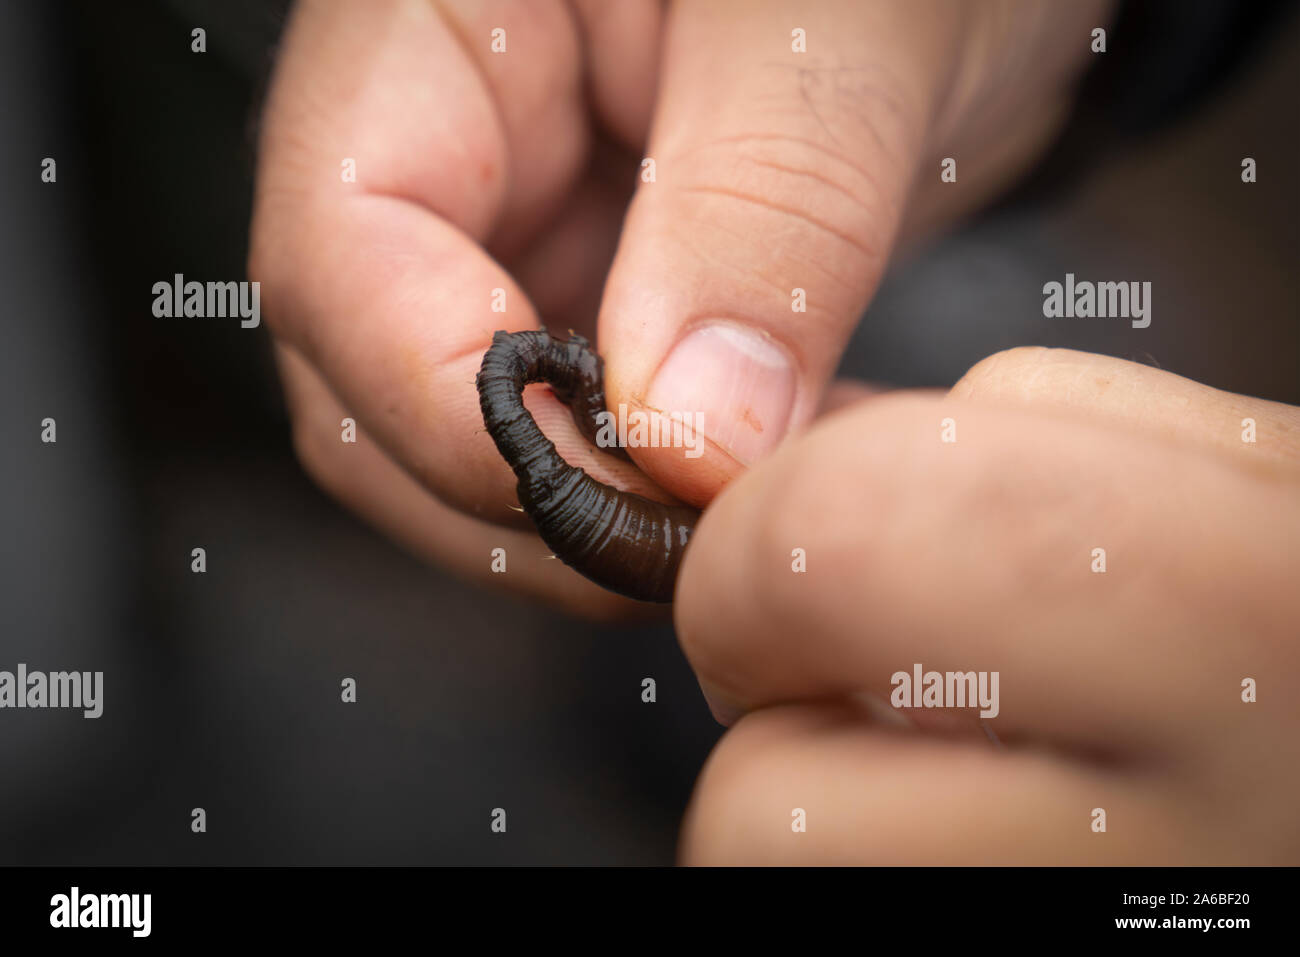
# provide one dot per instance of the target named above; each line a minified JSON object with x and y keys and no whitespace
{"x":620,"y":540}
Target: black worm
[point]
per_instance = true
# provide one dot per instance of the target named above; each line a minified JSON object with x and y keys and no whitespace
{"x":621,"y":540}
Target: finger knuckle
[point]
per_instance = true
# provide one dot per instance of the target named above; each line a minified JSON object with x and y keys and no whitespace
{"x":1009,"y":371}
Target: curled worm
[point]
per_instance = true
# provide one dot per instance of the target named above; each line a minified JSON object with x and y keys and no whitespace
{"x":621,"y":540}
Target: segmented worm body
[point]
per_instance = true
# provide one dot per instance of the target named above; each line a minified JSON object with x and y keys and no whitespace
{"x":621,"y":540}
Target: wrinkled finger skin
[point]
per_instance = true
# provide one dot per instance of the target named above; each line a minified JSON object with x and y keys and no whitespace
{"x":412,"y":178}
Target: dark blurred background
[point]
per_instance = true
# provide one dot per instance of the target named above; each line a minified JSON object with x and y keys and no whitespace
{"x":222,"y":689}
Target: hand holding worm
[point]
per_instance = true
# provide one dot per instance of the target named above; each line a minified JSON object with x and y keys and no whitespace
{"x":410,"y":176}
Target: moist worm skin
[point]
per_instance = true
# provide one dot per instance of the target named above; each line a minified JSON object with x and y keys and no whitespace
{"x":620,"y":540}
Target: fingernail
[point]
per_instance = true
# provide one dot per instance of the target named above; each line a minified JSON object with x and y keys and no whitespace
{"x":738,"y":381}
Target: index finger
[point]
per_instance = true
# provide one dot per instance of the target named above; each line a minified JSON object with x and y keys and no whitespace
{"x":977,"y":555}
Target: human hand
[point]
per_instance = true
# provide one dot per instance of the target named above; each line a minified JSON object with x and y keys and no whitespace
{"x":1120,"y":690}
{"x":477,"y":171}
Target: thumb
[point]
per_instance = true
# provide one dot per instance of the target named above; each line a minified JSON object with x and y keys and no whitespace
{"x":783,"y":148}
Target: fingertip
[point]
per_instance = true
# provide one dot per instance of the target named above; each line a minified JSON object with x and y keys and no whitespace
{"x":694,"y":474}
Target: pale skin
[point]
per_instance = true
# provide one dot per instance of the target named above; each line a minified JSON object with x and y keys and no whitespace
{"x":1120,"y":690}
{"x":478,"y":171}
